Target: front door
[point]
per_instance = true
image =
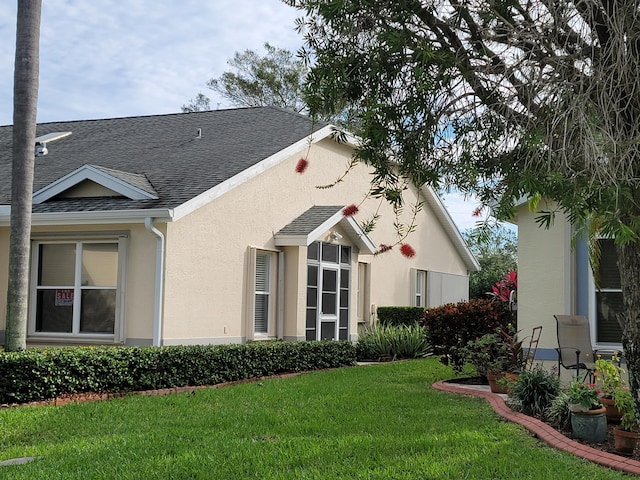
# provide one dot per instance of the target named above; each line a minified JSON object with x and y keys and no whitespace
{"x":328,"y":275}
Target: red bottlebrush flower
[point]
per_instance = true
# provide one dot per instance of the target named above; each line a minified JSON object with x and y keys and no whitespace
{"x":477,"y":212}
{"x":383,"y":248}
{"x":302,"y":165}
{"x":407,"y":250}
{"x":350,"y":210}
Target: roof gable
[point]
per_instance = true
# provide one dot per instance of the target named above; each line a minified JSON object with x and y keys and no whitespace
{"x":124,"y":184}
{"x":308,"y":227}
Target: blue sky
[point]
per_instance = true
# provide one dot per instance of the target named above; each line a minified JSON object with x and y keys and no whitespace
{"x":119,"y":58}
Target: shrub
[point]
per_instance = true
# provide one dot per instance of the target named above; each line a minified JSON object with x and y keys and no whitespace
{"x":41,"y":374}
{"x":451,"y":326}
{"x":384,"y":343}
{"x":399,"y":315}
{"x":535,"y":390}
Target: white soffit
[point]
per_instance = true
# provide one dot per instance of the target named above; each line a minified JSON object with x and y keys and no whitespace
{"x":89,"y":172}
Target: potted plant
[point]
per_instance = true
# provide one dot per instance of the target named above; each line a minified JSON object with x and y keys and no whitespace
{"x":488,"y":354}
{"x":626,"y":435}
{"x":609,"y":378}
{"x":588,"y":420}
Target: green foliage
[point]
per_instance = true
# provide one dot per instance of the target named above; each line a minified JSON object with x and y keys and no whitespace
{"x":399,"y":315}
{"x":275,"y":79}
{"x":495,"y":353}
{"x":624,"y":401}
{"x":376,"y":422}
{"x":609,"y":375}
{"x":40,"y":374}
{"x":584,"y":394}
{"x":558,"y":411}
{"x":392,"y":342}
{"x":450,"y":327}
{"x":496,"y":250}
{"x":534,"y":390}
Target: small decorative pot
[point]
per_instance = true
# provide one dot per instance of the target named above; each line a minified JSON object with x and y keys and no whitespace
{"x":590,"y":425}
{"x":625,"y":442}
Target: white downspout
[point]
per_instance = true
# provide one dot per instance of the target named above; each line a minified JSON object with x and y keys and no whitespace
{"x":159,"y":282}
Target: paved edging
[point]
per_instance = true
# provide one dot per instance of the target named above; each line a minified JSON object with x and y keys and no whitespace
{"x":544,"y":432}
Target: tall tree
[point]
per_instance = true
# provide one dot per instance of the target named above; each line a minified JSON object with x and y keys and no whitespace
{"x":25,"y":99}
{"x":275,"y":79}
{"x":508,"y":98}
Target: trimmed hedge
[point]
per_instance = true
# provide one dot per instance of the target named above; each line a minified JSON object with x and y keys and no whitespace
{"x":394,"y":316}
{"x":43,"y":374}
{"x":451,"y":326}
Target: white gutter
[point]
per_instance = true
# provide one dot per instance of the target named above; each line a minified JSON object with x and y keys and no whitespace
{"x":159,"y":282}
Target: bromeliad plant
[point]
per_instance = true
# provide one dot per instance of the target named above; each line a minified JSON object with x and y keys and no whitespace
{"x":609,"y":375}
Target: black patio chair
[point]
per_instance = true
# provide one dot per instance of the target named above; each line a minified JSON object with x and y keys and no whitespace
{"x":575,"y":351}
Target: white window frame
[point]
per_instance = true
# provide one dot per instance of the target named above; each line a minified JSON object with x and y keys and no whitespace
{"x":252,"y":334}
{"x":593,"y":312}
{"x":418,"y":287}
{"x":80,"y":239}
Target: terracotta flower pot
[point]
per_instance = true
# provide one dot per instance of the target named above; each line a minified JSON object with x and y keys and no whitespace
{"x":625,"y":442}
{"x":613,"y":413}
{"x":494,"y":385}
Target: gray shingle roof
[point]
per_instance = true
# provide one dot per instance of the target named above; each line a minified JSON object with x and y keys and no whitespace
{"x":161,"y":152}
{"x":310,"y":220}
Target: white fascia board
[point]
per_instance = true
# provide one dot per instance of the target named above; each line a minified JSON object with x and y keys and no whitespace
{"x":324,"y":226}
{"x":450,"y":227}
{"x":291,"y":241}
{"x":204,"y":198}
{"x":361,"y":239}
{"x":87,"y":172}
{"x":92,"y":218}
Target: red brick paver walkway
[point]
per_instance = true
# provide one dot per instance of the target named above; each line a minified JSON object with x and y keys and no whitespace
{"x":543,"y":431}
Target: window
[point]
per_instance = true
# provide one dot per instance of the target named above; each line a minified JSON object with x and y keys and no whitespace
{"x":328,"y":287}
{"x":362,"y":295}
{"x":262,"y":293}
{"x":261,"y":289}
{"x":608,"y":295}
{"x":76,"y":289}
{"x":419,"y":287}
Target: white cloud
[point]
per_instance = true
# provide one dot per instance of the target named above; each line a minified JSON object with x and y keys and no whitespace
{"x":108,"y":58}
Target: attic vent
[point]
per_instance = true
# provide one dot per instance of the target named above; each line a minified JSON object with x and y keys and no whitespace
{"x":41,"y":141}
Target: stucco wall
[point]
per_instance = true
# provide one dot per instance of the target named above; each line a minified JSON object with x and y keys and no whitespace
{"x":206,"y":286}
{"x":545,"y":265}
{"x":139,"y":275}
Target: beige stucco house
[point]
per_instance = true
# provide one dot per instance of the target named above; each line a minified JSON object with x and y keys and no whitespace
{"x":197,"y":229}
{"x":555,"y":277}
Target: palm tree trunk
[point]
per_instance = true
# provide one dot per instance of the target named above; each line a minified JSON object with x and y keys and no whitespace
{"x":25,"y":100}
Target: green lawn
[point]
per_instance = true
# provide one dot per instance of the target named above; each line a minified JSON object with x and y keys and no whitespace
{"x":376,"y":422}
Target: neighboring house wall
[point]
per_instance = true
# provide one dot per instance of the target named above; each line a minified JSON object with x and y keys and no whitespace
{"x":216,"y":238}
{"x":555,"y":277}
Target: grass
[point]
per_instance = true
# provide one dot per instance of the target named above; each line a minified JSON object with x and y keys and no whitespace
{"x":376,"y":422}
